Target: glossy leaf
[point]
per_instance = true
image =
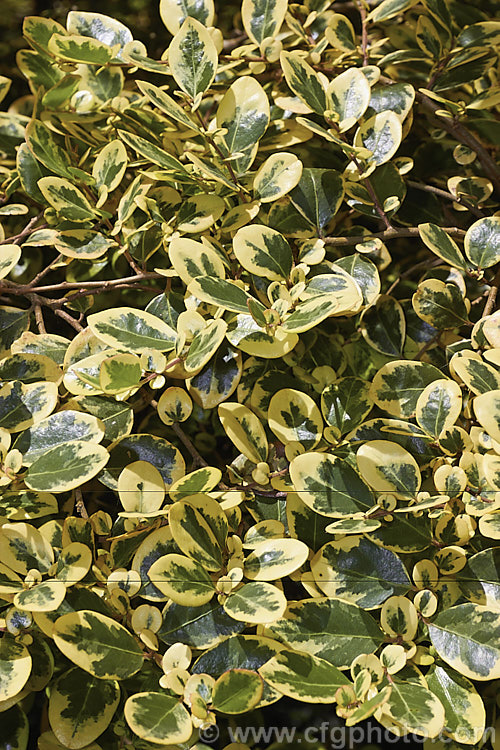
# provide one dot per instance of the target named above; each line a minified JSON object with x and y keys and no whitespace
{"x":98,"y":644}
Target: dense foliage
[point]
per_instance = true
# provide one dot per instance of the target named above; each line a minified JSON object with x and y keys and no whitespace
{"x":250,"y":373}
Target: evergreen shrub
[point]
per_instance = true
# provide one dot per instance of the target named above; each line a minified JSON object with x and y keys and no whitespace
{"x":250,"y":373}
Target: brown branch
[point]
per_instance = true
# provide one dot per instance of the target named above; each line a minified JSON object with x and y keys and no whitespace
{"x":388,"y":234}
{"x":364,"y":31}
{"x":464,"y":136}
{"x":16,"y":239}
{"x":198,"y":460}
{"x":37,"y":308}
{"x":67,"y":285}
{"x":410,"y":271}
{"x":445,"y":194}
{"x":44,"y":272}
{"x":70,"y":320}
{"x":492,"y":295}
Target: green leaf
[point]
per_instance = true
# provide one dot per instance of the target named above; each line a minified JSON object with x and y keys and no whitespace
{"x":237,"y":691}
{"x":191,"y":259}
{"x":13,"y":323}
{"x":204,"y":345}
{"x":69,"y":202}
{"x":329,"y":485}
{"x":467,"y":637}
{"x":415,"y":709}
{"x":273,"y":559}
{"x":110,"y":165}
{"x":340,"y":33}
{"x":262,"y":18}
{"x":98,"y":644}
{"x":359,"y":571}
{"x":198,"y":481}
{"x":23,"y":547}
{"x":257,"y":602}
{"x":398,"y":384}
{"x":465,"y":716}
{"x":158,"y":718}
{"x":85,"y":244}
{"x":387,"y":467}
{"x":218,"y":379}
{"x":103,"y":28}
{"x":389,"y":8}
{"x":39,"y":71}
{"x":164,"y":102}
{"x":482,"y":242}
{"x":381,"y":134}
{"x":15,"y":728}
{"x":183,"y":580}
{"x":384,"y":326}
{"x":294,"y":417}
{"x":66,"y":466}
{"x":277,"y":176}
{"x":174,"y":12}
{"x":304,"y":523}
{"x":116,"y":417}
{"x":318,"y":196}
{"x":442,"y":244}
{"x":25,"y":505}
{"x":80,"y":49}
{"x":345,"y":404}
{"x":439,"y":406}
{"x":119,"y":373}
{"x":56,"y":430}
{"x":81,"y":707}
{"x":303,"y":677}
{"x":309,"y":314}
{"x":221,"y":292}
{"x":397,"y":98}
{"x":43,"y":597}
{"x":153,"y":153}
{"x":15,"y":667}
{"x":192,"y":57}
{"x":199,"y":626}
{"x":439,"y":304}
{"x":22,"y":405}
{"x":8,"y":259}
{"x":199,"y":212}
{"x":479,"y":578}
{"x":244,"y":113}
{"x":349,"y":95}
{"x":193,"y":535}
{"x":263,"y":251}
{"x":132,"y":330}
{"x":304,"y":81}
{"x":143,"y":447}
{"x":245,"y":430}
{"x":332,"y":629}
{"x":242,"y":652}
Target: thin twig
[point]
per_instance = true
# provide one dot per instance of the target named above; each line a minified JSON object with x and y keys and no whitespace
{"x":364,"y":32}
{"x":16,"y":239}
{"x":460,"y":132}
{"x":37,"y":308}
{"x":70,"y":320}
{"x":492,"y":295}
{"x":387,"y":234}
{"x":417,"y":267}
{"x":44,"y":272}
{"x":445,"y":194}
{"x":198,"y":460}
{"x":67,"y":285}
